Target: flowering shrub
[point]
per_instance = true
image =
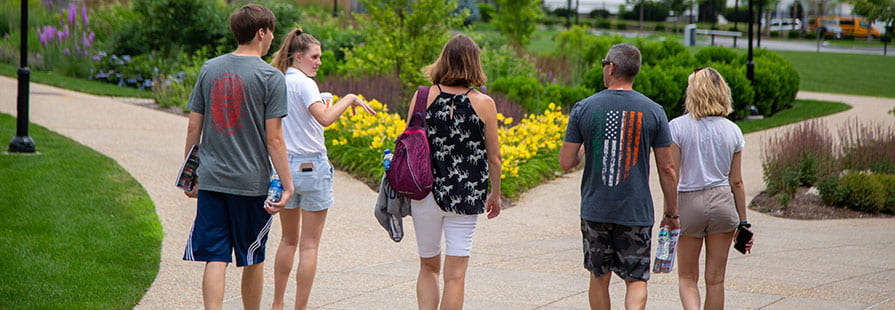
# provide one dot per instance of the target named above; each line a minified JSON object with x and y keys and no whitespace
{"x":529,"y":149}
{"x":66,"y":47}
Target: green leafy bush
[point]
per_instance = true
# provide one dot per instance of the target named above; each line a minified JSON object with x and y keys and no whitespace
{"x":794,"y":34}
{"x":654,"y":52}
{"x":776,"y":82}
{"x":487,"y":11}
{"x":652,"y":11}
{"x":867,"y":146}
{"x":502,"y":62}
{"x":716,"y":54}
{"x":740,"y":89}
{"x":524,"y":90}
{"x":602,"y":23}
{"x":860,"y":191}
{"x":593,"y":78}
{"x":168,"y":26}
{"x":664,"y":85}
{"x":565,"y":96}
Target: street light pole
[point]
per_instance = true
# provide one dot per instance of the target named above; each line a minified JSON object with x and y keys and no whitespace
{"x":750,"y":65}
{"x":22,"y":143}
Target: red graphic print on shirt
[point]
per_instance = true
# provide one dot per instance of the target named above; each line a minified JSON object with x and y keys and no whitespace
{"x":227,"y":99}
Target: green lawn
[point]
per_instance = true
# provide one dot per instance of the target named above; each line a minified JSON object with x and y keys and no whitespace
{"x":77,"y":231}
{"x":80,"y":85}
{"x":856,"y":74}
{"x":801,"y":110}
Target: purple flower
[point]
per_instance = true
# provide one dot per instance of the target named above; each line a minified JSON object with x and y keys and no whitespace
{"x":484,"y":88}
{"x":84,"y":15}
{"x":549,"y":75}
{"x":72,"y":12}
{"x":6,"y":36}
{"x":554,"y":80}
{"x":67,"y":52}
{"x":97,"y":58}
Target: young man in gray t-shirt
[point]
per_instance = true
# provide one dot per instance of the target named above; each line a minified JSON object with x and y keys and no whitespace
{"x":617,"y":127}
{"x":236,"y":110}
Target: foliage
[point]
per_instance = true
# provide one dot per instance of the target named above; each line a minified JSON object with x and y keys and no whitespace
{"x":517,"y":19}
{"x":876,"y":10}
{"x":867,"y":192}
{"x":599,"y":13}
{"x":524,"y":90}
{"x":716,"y":54}
{"x":67,"y":47}
{"x":583,"y":49}
{"x":487,"y":12}
{"x":798,"y":157}
{"x":775,"y":84}
{"x":85,"y":231}
{"x":167,"y":26}
{"x":867,"y":146}
{"x":400,"y":39}
{"x":740,"y":89}
{"x":77,"y":84}
{"x":709,"y":10}
{"x":528,"y":149}
{"x":652,"y":11}
{"x":385,"y":88}
{"x":566,"y":96}
{"x":499,"y":62}
{"x":471,"y":6}
{"x":664,"y":85}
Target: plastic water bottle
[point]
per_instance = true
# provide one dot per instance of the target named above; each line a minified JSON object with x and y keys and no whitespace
{"x":663,"y":250}
{"x":387,"y":159}
{"x":275,"y":191}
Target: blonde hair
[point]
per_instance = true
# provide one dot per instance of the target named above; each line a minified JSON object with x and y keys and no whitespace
{"x":707,"y":94}
{"x":458,"y":65}
{"x":295,"y":42}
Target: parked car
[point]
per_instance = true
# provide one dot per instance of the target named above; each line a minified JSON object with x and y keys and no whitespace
{"x":853,"y":26}
{"x":785,"y":24}
{"x":826,"y":26}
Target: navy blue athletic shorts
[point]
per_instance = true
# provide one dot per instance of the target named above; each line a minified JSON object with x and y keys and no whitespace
{"x":227,"y":224}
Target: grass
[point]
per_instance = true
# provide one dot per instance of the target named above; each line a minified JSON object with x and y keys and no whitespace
{"x":77,"y":231}
{"x":76,"y":84}
{"x":856,"y":74}
{"x":801,"y":110}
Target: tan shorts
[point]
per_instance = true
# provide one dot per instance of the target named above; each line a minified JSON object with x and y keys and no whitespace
{"x":708,"y":211}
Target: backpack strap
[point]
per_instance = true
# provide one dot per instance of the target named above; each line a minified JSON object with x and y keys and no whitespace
{"x":419,"y":107}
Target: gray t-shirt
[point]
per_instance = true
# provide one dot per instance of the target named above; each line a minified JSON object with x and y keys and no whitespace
{"x":617,"y":128}
{"x":236,"y":94}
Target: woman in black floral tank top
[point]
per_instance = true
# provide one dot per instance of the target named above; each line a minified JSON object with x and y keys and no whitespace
{"x":461,"y":125}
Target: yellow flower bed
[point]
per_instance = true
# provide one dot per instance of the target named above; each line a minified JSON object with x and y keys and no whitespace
{"x":359,"y":140}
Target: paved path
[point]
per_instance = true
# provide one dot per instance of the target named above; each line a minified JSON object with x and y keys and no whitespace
{"x":528,"y":258}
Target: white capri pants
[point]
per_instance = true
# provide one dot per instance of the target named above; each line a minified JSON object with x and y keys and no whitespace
{"x":429,"y":221}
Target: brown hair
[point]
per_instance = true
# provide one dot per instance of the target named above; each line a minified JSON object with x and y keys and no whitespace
{"x":295,"y":42}
{"x":246,"y":21}
{"x":707,"y":94}
{"x":458,"y":64}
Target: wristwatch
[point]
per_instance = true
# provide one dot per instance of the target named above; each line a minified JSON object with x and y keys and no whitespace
{"x":745,"y":224}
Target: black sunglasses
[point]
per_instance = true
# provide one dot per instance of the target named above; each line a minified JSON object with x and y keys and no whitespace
{"x":605,"y":62}
{"x":697,"y":70}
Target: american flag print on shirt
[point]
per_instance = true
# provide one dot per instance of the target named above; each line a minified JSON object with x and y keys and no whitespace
{"x":616,"y":139}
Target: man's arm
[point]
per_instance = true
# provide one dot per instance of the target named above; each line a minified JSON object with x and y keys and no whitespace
{"x":193,"y":135}
{"x":276,"y":146}
{"x":570,"y":155}
{"x":667,"y":167}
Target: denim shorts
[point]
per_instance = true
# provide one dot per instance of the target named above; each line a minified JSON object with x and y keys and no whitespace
{"x":312,"y":176}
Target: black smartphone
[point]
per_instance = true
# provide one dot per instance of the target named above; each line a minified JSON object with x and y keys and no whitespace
{"x":306,"y":167}
{"x":743,"y":237}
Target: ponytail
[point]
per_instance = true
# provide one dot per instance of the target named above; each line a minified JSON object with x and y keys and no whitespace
{"x":296,"y":41}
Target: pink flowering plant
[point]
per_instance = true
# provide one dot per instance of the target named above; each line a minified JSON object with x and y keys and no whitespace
{"x":66,"y":46}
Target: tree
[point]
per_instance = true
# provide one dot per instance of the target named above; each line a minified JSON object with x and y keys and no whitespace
{"x":402,"y":36}
{"x":517,"y":19}
{"x":679,"y":7}
{"x":876,"y":10}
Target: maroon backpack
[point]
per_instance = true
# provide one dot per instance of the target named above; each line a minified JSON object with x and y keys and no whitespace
{"x":410,"y":173}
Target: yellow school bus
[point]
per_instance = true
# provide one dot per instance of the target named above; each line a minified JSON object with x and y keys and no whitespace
{"x":853,"y":26}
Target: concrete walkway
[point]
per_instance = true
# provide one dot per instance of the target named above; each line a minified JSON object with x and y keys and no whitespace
{"x":528,"y":258}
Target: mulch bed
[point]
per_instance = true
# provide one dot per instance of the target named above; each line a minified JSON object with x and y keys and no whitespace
{"x":806,"y":206}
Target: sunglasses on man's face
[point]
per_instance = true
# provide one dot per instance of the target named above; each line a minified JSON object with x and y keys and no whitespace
{"x":605,"y":62}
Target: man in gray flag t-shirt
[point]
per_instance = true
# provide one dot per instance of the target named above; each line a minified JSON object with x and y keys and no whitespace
{"x":616,"y":128}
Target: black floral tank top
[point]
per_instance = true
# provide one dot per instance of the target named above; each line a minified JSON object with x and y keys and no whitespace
{"x":459,"y":160}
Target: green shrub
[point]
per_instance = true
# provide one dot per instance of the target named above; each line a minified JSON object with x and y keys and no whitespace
{"x":660,"y":28}
{"x":599,"y":13}
{"x":499,"y":62}
{"x":740,"y":89}
{"x":775,"y":34}
{"x":602,"y":23}
{"x":860,"y":191}
{"x":524,"y":90}
{"x":664,"y":85}
{"x":565,"y":96}
{"x":593,"y":78}
{"x":810,"y":35}
{"x":776,"y":82}
{"x":667,"y":52}
{"x":794,"y":34}
{"x":487,"y":11}
{"x":621,"y":26}
{"x":169,"y":26}
{"x":716,"y":54}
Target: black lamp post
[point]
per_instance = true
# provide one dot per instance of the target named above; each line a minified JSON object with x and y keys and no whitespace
{"x":736,"y":19}
{"x":750,"y":65}
{"x":335,"y":8}
{"x":22,"y":143}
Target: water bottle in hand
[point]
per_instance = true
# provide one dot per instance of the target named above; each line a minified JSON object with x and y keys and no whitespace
{"x":663,"y":250}
{"x":275,"y":191}
{"x":387,"y":159}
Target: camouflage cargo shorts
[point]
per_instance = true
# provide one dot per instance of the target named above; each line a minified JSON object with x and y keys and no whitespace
{"x":622,"y":249}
